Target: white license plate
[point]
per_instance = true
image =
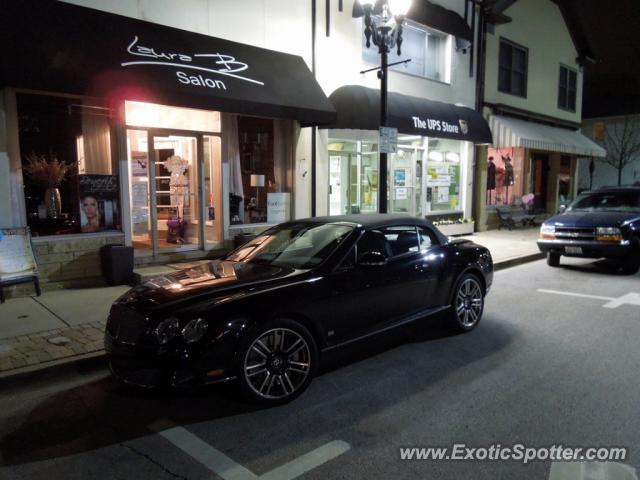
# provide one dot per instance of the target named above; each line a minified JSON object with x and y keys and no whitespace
{"x":573,"y":250}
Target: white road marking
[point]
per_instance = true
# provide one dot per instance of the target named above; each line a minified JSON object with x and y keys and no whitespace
{"x":225,"y":467}
{"x":592,"y":471}
{"x":612,"y":302}
{"x":213,"y":459}
{"x":307,"y":462}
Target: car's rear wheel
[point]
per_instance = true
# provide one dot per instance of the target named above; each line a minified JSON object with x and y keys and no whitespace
{"x":631,"y":263}
{"x":277,"y":362}
{"x":467,"y":305}
{"x":553,"y":259}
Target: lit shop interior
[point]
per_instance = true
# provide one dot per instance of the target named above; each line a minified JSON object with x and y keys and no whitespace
{"x":425,"y":175}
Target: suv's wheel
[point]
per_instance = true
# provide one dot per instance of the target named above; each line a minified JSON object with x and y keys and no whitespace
{"x":631,"y":263}
{"x":276,"y":362}
{"x":467,"y":305}
{"x":553,"y":259}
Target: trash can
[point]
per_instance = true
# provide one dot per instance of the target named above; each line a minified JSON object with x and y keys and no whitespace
{"x":117,"y":264}
{"x":242,"y":238}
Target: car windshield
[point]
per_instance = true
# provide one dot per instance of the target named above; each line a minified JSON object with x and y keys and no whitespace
{"x":607,"y":202}
{"x":301,"y":245}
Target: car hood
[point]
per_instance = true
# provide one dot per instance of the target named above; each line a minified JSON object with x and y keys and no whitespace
{"x":590,"y":219}
{"x":218,"y":278}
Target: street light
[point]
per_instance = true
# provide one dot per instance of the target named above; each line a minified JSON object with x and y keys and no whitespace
{"x":385,"y":36}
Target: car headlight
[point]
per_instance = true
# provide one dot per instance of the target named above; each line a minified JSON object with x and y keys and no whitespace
{"x":167,"y":330}
{"x":548,"y":232}
{"x":194,"y":330}
{"x":608,"y":234}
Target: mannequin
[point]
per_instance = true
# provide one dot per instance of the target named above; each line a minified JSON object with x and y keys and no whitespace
{"x":491,"y":180}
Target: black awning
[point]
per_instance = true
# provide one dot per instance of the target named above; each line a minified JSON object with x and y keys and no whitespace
{"x":359,"y":108}
{"x":442,"y":19}
{"x":55,"y":46}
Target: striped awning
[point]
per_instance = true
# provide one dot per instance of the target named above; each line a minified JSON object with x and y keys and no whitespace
{"x":512,"y":132}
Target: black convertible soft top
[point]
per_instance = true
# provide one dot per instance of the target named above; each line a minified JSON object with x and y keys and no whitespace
{"x":376,"y":220}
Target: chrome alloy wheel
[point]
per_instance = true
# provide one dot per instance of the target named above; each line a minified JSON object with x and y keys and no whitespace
{"x":277,"y":363}
{"x":469,"y":302}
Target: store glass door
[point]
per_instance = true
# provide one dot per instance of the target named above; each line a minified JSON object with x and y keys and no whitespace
{"x":165,"y":171}
{"x":406,"y":181}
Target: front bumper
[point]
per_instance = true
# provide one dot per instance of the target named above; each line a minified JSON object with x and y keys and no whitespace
{"x":590,"y":248}
{"x":150,"y":366}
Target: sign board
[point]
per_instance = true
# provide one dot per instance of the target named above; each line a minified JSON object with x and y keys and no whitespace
{"x":16,"y":256}
{"x":278,"y":207}
{"x":99,"y":209}
{"x":388,"y":139}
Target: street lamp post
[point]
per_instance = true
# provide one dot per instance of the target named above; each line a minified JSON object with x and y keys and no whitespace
{"x":385,"y":36}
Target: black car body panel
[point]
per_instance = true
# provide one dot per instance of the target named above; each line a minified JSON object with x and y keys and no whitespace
{"x":338,"y":301}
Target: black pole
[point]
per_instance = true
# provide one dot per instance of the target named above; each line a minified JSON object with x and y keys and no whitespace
{"x":382,"y":177}
{"x":313,"y":129}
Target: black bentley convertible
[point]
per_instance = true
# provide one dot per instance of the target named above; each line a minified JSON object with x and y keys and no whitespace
{"x":265,"y":313}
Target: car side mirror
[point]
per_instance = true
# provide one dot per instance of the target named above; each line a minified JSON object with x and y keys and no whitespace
{"x":372,"y":259}
{"x":562,"y":209}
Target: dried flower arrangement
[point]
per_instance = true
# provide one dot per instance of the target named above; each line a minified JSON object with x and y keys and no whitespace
{"x":46,"y":171}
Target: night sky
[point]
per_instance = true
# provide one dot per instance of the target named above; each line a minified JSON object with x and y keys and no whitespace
{"x":613,"y":30}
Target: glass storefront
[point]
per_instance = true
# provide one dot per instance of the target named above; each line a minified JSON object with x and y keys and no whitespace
{"x":505,"y":176}
{"x":424,"y":177}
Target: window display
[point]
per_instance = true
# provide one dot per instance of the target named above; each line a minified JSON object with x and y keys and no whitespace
{"x":66,"y":156}
{"x":505,"y":176}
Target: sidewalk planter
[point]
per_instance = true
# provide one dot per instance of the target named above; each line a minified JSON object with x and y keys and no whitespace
{"x":117,"y":264}
{"x":454,"y":229}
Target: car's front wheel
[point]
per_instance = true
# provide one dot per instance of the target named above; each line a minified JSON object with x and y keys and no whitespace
{"x":276,"y":362}
{"x":467,"y":305}
{"x":553,"y":259}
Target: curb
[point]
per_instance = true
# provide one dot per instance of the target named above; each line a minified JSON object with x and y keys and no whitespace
{"x":512,"y":262}
{"x":97,"y":360}
{"x":63,"y":366}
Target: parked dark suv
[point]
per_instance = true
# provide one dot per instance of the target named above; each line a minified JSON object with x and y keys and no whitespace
{"x":600,"y":223}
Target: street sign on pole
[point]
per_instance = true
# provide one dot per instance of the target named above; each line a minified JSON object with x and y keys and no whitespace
{"x":388,"y":139}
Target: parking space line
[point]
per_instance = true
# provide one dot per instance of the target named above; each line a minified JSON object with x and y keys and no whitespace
{"x":225,"y":467}
{"x":583,"y":295}
{"x":204,"y":453}
{"x":307,"y":462}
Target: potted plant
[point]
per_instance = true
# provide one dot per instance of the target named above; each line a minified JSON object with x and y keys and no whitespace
{"x":47,"y":172}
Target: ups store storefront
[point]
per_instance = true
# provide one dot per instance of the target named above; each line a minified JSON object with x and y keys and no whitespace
{"x":165,"y":140}
{"x":429,"y":175}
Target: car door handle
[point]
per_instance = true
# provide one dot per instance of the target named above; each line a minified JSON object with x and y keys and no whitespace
{"x":421,"y":267}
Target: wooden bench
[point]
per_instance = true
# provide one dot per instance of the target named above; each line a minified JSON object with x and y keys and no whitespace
{"x":17,"y":262}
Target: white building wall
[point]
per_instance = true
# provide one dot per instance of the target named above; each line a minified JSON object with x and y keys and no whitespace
{"x":539,"y":26}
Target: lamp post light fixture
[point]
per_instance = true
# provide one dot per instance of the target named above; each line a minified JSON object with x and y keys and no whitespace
{"x":385,"y":36}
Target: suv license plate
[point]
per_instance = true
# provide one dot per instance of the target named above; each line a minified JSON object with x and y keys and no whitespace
{"x":573,"y":250}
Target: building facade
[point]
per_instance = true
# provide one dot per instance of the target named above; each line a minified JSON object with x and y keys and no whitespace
{"x":532,"y":99}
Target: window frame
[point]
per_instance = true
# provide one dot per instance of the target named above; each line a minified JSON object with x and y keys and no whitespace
{"x":567,"y":107}
{"x":513,"y":46}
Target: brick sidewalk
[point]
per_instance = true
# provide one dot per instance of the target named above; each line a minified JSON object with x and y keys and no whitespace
{"x":50,"y":345}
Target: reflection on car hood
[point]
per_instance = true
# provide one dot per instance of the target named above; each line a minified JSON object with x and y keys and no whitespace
{"x":591,"y":219}
{"x":218,"y":276}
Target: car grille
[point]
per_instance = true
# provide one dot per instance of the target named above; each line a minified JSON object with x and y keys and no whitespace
{"x":125,"y":325}
{"x":573,"y":233}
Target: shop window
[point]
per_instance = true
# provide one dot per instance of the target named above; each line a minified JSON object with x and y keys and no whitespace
{"x":444,"y":160}
{"x":70,"y":176}
{"x":512,"y":70}
{"x":429,"y":51}
{"x":261,"y":182}
{"x":567,"y":88}
{"x":505,"y":180}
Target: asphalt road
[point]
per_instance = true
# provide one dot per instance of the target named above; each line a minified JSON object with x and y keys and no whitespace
{"x":542,"y":368}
